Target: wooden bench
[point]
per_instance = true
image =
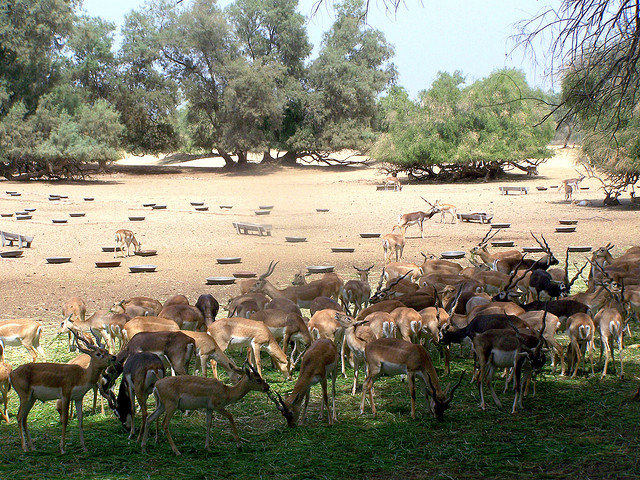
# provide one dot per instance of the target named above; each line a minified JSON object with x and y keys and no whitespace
{"x":23,"y":240}
{"x":481,"y":217}
{"x":247,"y":228}
{"x":520,"y":190}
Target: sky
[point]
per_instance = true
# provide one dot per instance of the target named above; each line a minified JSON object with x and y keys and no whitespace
{"x":473,"y":36}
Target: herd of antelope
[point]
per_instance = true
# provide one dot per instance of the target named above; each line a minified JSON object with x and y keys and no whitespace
{"x":508,"y":307}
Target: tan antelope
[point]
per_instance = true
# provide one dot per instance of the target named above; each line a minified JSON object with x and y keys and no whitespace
{"x":96,"y":325}
{"x":238,"y":332}
{"x":447,"y":208}
{"x":23,"y":332}
{"x":84,"y":360}
{"x":186,"y":316}
{"x":393,"y":243}
{"x":504,"y":261}
{"x":392,"y":356}
{"x":319,"y":362}
{"x":356,"y":343}
{"x":332,"y":283}
{"x":138,"y":306}
{"x":408,"y":323}
{"x":570,"y":185}
{"x":393,"y":182}
{"x":303,"y":295}
{"x":206,"y":349}
{"x":610,"y":324}
{"x":196,"y":393}
{"x":75,"y":307}
{"x":323,"y":324}
{"x":417,"y":218}
{"x":125,"y":238}
{"x":286,"y":327}
{"x":51,"y":381}
{"x":147,"y":324}
{"x":580,"y":330}
{"x":356,"y":292}
{"x":5,"y":386}
{"x":176,"y":347}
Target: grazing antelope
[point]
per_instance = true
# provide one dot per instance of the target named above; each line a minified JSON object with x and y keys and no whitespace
{"x":125,"y":238}
{"x":392,"y":356}
{"x":241,"y":332}
{"x":50,"y":381}
{"x":209,"y":307}
{"x":580,"y":330}
{"x":206,"y":348}
{"x":503,"y":262}
{"x":323,"y":324}
{"x":176,"y":347}
{"x":192,"y":393}
{"x":393,"y":243}
{"x":186,"y":316}
{"x":319,"y":362}
{"x":381,"y":324}
{"x":96,"y":325}
{"x":356,"y":292}
{"x":392,"y":181}
{"x":322,"y":303}
{"x":445,"y":208}
{"x":408,"y":323}
{"x":147,"y":324}
{"x":5,"y":386}
{"x":77,"y":309}
{"x":175,"y":300}
{"x":534,"y":319}
{"x":23,"y":332}
{"x":138,"y":306}
{"x":356,"y":344}
{"x":288,"y":327}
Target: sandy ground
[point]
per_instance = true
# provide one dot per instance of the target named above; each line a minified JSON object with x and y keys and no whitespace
{"x":188,"y":242}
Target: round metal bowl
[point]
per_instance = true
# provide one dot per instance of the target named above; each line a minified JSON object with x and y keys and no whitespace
{"x":159,"y":207}
{"x":265,"y":207}
{"x":535,"y":249}
{"x":51,"y":199}
{"x":136,"y":219}
{"x":202,"y":209}
{"x":146,"y":253}
{"x":58,"y":259}
{"x":244,"y":274}
{"x":295,"y":239}
{"x":9,"y":192}
{"x":88,"y":199}
{"x":503,"y":243}
{"x":320,"y":268}
{"x":542,"y":189}
{"x":23,"y":217}
{"x":565,"y":229}
{"x":77,"y":214}
{"x":31,"y":209}
{"x":142,"y":268}
{"x":228,"y":260}
{"x":369,"y":235}
{"x":197,"y":204}
{"x":108,"y":264}
{"x":59,"y":220}
{"x":579,"y":248}
{"x":111,"y":248}
{"x":568,"y":222}
{"x":22,"y":212}
{"x":15,"y":194}
{"x":263,"y":212}
{"x":500,"y":225}
{"x":6,"y":214}
{"x":148,"y":204}
{"x":322,"y":210}
{"x":220,"y":280}
{"x":11,"y":254}
{"x":453,"y":254}
{"x":343,"y":249}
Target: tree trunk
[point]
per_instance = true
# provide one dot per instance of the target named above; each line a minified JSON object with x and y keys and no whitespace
{"x":267,"y":158}
{"x":242,"y":158}
{"x":289,"y":158}
{"x":228,"y":160}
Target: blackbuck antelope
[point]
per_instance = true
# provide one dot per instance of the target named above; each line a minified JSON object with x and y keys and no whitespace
{"x":175,"y":300}
{"x":186,"y":316}
{"x":206,"y":349}
{"x":176,"y":347}
{"x":393,"y":182}
{"x":504,"y":261}
{"x":447,"y":208}
{"x":125,"y":238}
{"x":96,"y":325}
{"x":138,"y":306}
{"x":77,"y":309}
{"x":241,"y":332}
{"x":84,"y":360}
{"x":355,"y":343}
{"x":147,"y":324}
{"x":323,"y":324}
{"x":571,"y":185}
{"x":319,"y":362}
{"x":393,"y":243}
{"x":356,"y":292}
{"x":196,"y":393}
{"x":141,"y":371}
{"x":580,"y":330}
{"x":51,"y":381}
{"x":417,"y":218}
{"x":286,"y":327}
{"x":392,"y":356}
{"x":209,"y":307}
{"x":23,"y":332}
{"x":507,"y":348}
{"x":5,"y":386}
{"x":303,"y":295}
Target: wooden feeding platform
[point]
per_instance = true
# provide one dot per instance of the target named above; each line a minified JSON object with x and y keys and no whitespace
{"x":243,"y":228}
{"x":533,"y":249}
{"x":518,"y":190}
{"x":481,"y":217}
{"x":500,"y":225}
{"x":21,"y":240}
{"x":579,"y":248}
{"x":565,"y":229}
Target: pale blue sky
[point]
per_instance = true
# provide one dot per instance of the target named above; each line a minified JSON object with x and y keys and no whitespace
{"x":428,"y":36}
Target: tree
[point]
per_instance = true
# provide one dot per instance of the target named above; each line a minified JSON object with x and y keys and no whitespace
{"x":458,"y":132}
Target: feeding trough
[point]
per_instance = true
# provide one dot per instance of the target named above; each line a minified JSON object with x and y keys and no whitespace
{"x":265,"y":207}
{"x":320,"y":268}
{"x":568,"y":222}
{"x":136,"y":219}
{"x":553,"y":186}
{"x":6,"y":214}
{"x":11,"y":254}
{"x":15,"y":194}
{"x":202,"y":209}
{"x":23,"y":217}
{"x":58,"y":259}
{"x":22,"y":212}
{"x":220,"y":280}
{"x":31,"y":209}
{"x":244,"y":274}
{"x":142,"y":268}
{"x":584,"y":188}
{"x":503,"y":243}
{"x":112,"y":264}
{"x":111,"y":248}
{"x":453,"y":254}
{"x":148,"y":204}
{"x":226,"y":207}
{"x":59,"y":220}
{"x":541,"y":189}
{"x":88,"y":199}
{"x":534,"y":249}
{"x":10,"y":192}
{"x":322,"y":210}
{"x":500,"y":225}
{"x":295,"y":239}
{"x":159,"y":207}
{"x":369,"y":235}
{"x":263,"y":212}
{"x":146,"y":253}
{"x":197,"y":204}
{"x":77,"y":214}
{"x":567,"y":229}
{"x":343,"y":249}
{"x":579,"y":248}
{"x":228,"y":260}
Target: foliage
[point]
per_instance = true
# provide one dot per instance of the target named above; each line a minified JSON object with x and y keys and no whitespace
{"x":461,"y":131}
